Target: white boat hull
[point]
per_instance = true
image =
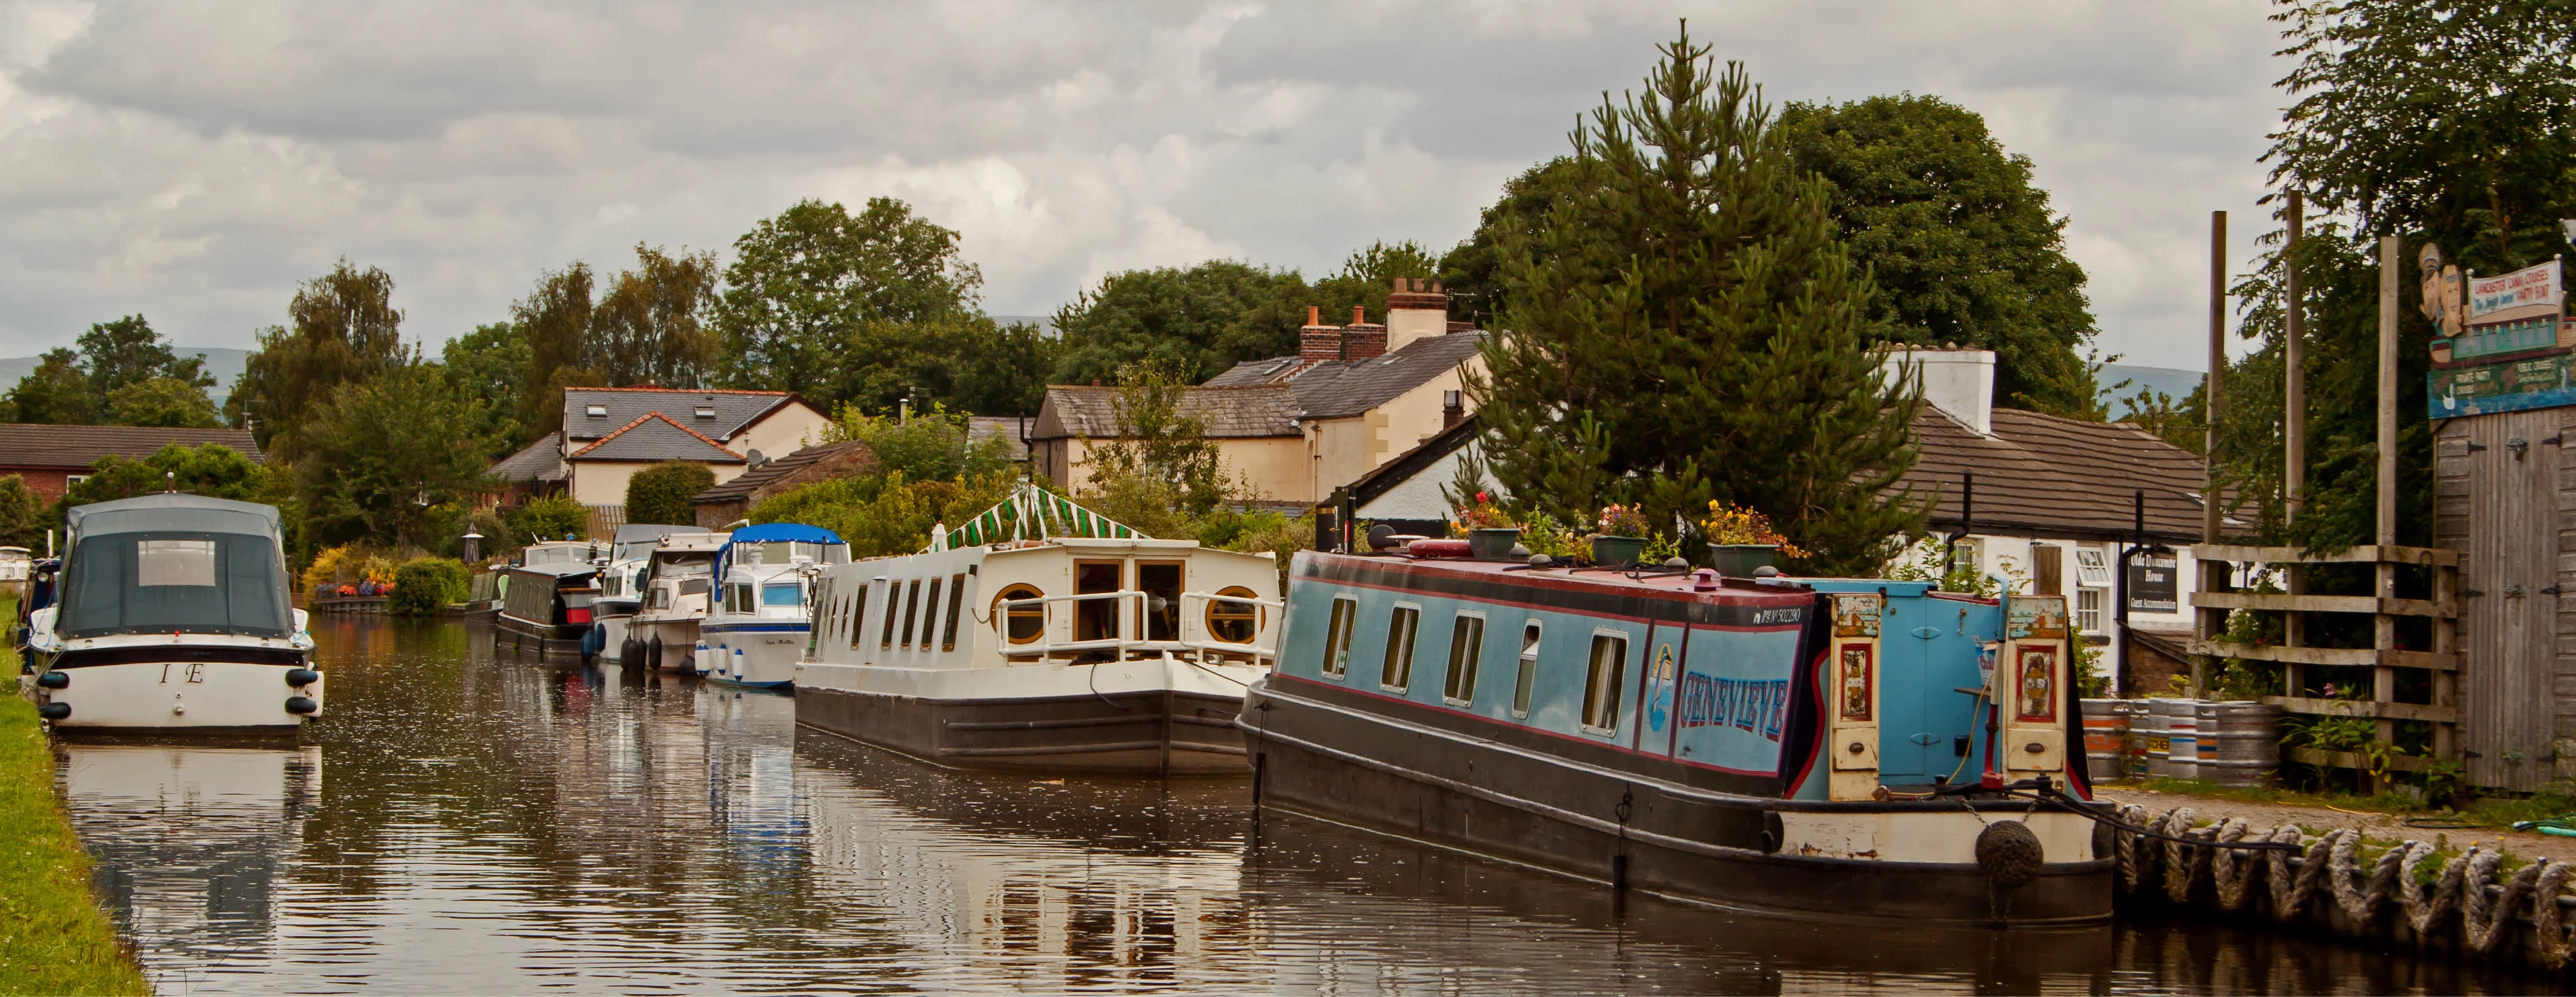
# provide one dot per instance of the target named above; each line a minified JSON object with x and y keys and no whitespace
{"x":1150,"y":716}
{"x":762,"y":655}
{"x":201,"y":696}
{"x":679,"y":643}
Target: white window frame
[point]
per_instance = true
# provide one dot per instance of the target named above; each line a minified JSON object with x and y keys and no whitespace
{"x":2092,"y":567}
{"x":2101,"y":599}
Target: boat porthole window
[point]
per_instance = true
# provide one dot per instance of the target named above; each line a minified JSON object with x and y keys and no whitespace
{"x":1527,"y":681}
{"x":1466,"y":648}
{"x":1601,"y":684}
{"x":1231,"y":621}
{"x":1337,"y":643}
{"x":1023,"y":618}
{"x":1396,"y":675}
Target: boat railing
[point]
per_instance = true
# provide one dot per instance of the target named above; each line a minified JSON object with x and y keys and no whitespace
{"x":1191,"y":639}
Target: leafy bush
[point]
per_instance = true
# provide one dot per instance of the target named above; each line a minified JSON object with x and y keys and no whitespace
{"x":212,"y":470}
{"x":882,"y":516}
{"x":23,"y":519}
{"x":546,"y":517}
{"x":933,"y":446}
{"x":660,"y":493}
{"x":349,"y":564}
{"x":425,"y":586}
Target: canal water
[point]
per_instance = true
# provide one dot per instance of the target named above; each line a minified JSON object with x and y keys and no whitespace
{"x":459,"y":824}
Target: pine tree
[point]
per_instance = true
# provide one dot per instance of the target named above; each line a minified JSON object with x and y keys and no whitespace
{"x":1688,"y":327}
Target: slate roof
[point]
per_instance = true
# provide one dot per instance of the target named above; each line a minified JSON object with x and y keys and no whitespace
{"x":540,"y":461}
{"x":79,"y":447}
{"x":747,"y":482}
{"x":1007,"y":428}
{"x":1237,"y":412}
{"x":1336,"y":389}
{"x":1256,"y":372}
{"x":733,"y":410}
{"x":2044,"y":476}
{"x":654,"y":436}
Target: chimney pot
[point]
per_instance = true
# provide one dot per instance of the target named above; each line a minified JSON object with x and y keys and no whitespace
{"x":1314,"y":315}
{"x":1359,"y":314}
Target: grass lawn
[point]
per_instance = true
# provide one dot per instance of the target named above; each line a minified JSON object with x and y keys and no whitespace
{"x":54,"y":939}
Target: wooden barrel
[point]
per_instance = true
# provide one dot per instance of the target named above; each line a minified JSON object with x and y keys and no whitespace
{"x":2106,"y":739}
{"x":2248,"y":742}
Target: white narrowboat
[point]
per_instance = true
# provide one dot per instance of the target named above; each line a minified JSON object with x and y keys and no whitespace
{"x":1044,"y":637}
{"x":754,"y":635}
{"x":677,"y":583}
{"x":173,"y":615}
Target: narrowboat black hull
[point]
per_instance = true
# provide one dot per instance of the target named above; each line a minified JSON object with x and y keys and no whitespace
{"x":1348,"y":765}
{"x":1160,"y":733}
{"x":561,"y":643}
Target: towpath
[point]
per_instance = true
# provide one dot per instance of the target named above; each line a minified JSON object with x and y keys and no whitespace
{"x":2386,"y":826}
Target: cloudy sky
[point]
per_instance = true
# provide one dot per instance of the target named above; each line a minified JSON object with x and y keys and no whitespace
{"x":194,"y":161}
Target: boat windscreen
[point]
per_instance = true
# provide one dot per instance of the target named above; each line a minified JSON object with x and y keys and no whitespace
{"x":153,"y":583}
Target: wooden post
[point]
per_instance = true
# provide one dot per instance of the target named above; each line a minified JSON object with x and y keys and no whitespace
{"x":2383,"y":679}
{"x":2294,"y":426}
{"x":2209,"y":514}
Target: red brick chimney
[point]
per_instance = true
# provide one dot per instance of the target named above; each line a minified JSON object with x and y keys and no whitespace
{"x":1416,"y":309}
{"x":1362,"y":339}
{"x":1317,"y":342}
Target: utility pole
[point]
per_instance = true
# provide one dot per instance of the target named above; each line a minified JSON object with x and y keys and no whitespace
{"x":2212,"y":573}
{"x":2294,"y":356}
{"x":2384,"y":628}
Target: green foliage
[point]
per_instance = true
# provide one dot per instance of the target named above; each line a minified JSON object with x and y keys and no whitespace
{"x":24,"y":517}
{"x":55,"y":393}
{"x":553,"y":318}
{"x":546,"y":517}
{"x":426,"y":586}
{"x":1962,"y":247}
{"x":1473,"y":271}
{"x":2180,"y":423}
{"x":1194,"y":322}
{"x":343,"y":329}
{"x":126,"y":352}
{"x":647,"y":328}
{"x":491,"y":364}
{"x":212,"y":470}
{"x":804,"y":283}
{"x":1159,"y":442}
{"x":886,"y":515}
{"x":936,"y":445}
{"x":380,"y":454}
{"x":660,"y":493}
{"x":958,"y":360}
{"x":1367,"y":276}
{"x":163,"y":401}
{"x":59,"y":939}
{"x":1688,"y":327}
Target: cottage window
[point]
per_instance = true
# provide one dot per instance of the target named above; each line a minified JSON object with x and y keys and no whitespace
{"x":956,"y":602}
{"x":1529,"y":670}
{"x":1397,"y":673}
{"x":706,"y":412}
{"x":2088,"y":609}
{"x":1601,"y":686}
{"x":1466,"y":649}
{"x":2092,"y":567}
{"x":595,"y":411}
{"x":1337,"y":642}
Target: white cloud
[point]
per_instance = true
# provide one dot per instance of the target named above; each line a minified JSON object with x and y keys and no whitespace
{"x":192,"y":162}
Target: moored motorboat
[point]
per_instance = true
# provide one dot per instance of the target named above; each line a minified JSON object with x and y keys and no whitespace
{"x":621,"y":586}
{"x":171,"y":613}
{"x":678,"y":583}
{"x":1025,"y":646}
{"x":1830,"y":748}
{"x":754,"y":634}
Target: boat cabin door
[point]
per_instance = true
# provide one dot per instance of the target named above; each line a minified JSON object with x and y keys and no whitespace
{"x":2031,"y":685}
{"x":1851,"y":696}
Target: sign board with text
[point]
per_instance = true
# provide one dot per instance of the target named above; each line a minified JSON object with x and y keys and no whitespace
{"x":2155,"y":585}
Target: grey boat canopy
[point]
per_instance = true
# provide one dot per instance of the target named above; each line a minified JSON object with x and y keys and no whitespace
{"x":174,"y":512}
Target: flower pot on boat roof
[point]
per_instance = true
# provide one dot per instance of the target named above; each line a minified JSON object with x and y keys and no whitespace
{"x":1618,"y":552}
{"x":1740,"y":560}
{"x":1493,"y":543}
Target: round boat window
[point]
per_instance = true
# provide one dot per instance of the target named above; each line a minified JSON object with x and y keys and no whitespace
{"x":1232,"y":617}
{"x":1022,"y":622}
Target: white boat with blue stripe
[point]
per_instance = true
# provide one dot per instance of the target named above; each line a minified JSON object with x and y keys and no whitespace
{"x":757,"y":630}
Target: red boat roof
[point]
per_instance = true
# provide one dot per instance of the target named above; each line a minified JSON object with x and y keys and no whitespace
{"x":1678,"y":587}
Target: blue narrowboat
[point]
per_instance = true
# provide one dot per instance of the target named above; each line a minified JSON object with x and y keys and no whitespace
{"x":1844,"y":748}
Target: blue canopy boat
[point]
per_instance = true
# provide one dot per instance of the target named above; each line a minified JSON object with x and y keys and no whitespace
{"x":1818,"y":747}
{"x":760,"y":623}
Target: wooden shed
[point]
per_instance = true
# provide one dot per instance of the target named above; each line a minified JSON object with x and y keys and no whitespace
{"x":2505,"y":498}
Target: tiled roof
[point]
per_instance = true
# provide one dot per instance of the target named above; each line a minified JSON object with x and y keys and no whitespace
{"x":1336,"y":389}
{"x":1005,"y":427}
{"x":654,"y":436}
{"x":730,"y":410}
{"x":1256,"y":372}
{"x":753,"y":480}
{"x":2047,"y":476}
{"x":1228,"y":412}
{"x":539,"y":461}
{"x":23,"y":445}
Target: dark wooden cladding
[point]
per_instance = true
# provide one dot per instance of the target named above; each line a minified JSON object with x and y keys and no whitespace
{"x":2504,"y":490}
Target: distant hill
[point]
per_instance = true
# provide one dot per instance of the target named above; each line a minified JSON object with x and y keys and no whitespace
{"x":225,"y":363}
{"x":2178,"y":383}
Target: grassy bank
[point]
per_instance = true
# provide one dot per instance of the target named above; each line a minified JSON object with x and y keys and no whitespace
{"x":54,"y":939}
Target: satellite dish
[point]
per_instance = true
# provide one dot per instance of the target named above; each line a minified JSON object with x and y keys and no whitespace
{"x":755,"y":457}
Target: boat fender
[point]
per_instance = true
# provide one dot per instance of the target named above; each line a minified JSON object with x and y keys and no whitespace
{"x":55,"y":711}
{"x":2009,"y":853}
{"x":1772,"y":832}
{"x":301,"y":677}
{"x":54,"y":680}
{"x":305,"y":706}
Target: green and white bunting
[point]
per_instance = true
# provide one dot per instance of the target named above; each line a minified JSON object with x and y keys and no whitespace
{"x":1031,"y":513}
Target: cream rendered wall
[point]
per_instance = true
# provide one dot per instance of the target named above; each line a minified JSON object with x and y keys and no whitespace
{"x":603,"y":482}
{"x":784,"y":432}
{"x":1272,"y":464}
{"x":1339,"y":451}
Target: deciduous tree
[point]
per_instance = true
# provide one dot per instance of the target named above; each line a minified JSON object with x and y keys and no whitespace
{"x":383,"y":452}
{"x":1194,"y":322}
{"x":660,"y":493}
{"x":163,"y":401}
{"x":803,"y":283}
{"x":343,"y":329}
{"x":55,"y":393}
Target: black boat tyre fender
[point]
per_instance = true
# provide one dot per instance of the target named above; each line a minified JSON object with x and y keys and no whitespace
{"x":653,"y":657}
{"x":2009,"y":853}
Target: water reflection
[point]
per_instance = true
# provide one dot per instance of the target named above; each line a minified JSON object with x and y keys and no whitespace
{"x":501,"y":827}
